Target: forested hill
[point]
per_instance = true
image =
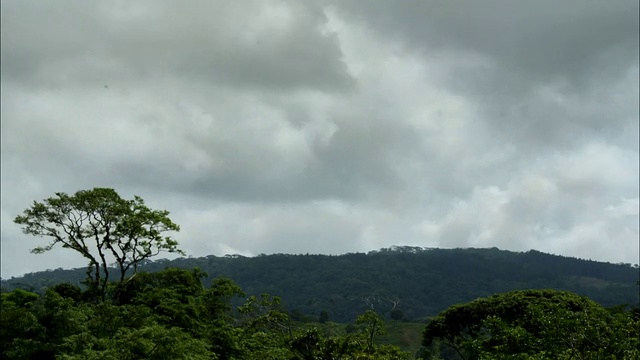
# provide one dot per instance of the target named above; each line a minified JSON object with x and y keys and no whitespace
{"x":417,"y":282}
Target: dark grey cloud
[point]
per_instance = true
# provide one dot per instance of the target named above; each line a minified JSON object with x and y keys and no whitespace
{"x":538,"y":40}
{"x":252,"y":44}
{"x":530,"y":66}
{"x":284,"y":126}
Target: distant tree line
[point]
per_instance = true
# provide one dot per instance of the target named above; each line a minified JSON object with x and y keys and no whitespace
{"x":170,"y":314}
{"x":141,"y":309}
{"x":405,"y":285}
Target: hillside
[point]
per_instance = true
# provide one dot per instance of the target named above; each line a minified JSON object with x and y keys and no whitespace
{"x":417,"y":282}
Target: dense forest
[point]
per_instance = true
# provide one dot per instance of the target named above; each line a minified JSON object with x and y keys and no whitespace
{"x":170,"y":314}
{"x":415,"y":283}
{"x":441,"y":304}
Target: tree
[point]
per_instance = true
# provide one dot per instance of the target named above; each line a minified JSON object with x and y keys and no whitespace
{"x":21,"y":336}
{"x":101,"y":226}
{"x":397,"y":314}
{"x":540,"y":324}
{"x":373,"y":326}
{"x":150,"y":342}
{"x":324,"y":316}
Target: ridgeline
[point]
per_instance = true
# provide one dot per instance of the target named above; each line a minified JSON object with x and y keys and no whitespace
{"x":401,"y":282}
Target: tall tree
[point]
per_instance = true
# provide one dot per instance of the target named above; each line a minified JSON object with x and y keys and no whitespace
{"x":103,"y":227}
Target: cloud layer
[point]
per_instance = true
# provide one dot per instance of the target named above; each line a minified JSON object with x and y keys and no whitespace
{"x":330,"y":126}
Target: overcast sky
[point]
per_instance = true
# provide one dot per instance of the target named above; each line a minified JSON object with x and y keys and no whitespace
{"x":292,"y":126}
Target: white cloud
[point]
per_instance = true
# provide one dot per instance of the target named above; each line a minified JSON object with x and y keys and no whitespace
{"x":626,"y":207}
{"x":281,"y":126}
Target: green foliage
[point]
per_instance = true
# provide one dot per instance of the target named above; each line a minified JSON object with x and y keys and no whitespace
{"x":358,"y":343}
{"x":21,"y":334}
{"x":19,"y":298}
{"x":373,"y":326}
{"x":166,"y":315}
{"x":324,"y":316}
{"x":170,"y":314}
{"x":406,"y":335}
{"x":149,"y":342}
{"x":68,"y":291}
{"x":421,"y":283}
{"x":264,"y":313}
{"x":541,"y":324}
{"x":100,"y":225}
{"x":397,"y":314}
{"x":217,"y":299}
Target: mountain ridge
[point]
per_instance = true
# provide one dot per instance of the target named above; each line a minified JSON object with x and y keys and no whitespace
{"x":416,"y":282}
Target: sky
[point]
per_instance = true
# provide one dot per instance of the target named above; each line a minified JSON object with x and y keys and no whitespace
{"x":329,"y":127}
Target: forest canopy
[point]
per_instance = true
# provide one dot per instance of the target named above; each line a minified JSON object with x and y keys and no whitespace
{"x":473,"y":303}
{"x":170,"y":314}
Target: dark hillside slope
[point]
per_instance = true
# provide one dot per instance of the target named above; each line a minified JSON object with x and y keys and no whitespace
{"x":418,"y":282}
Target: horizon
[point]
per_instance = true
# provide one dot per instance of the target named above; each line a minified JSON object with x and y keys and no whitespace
{"x":323,"y":126}
{"x":370,"y":252}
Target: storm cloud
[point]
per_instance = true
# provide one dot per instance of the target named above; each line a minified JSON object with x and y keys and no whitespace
{"x":330,"y":126}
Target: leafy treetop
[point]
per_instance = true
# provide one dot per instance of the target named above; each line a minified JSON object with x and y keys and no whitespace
{"x":101,"y":226}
